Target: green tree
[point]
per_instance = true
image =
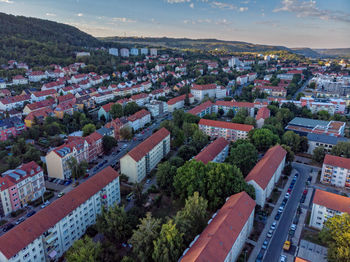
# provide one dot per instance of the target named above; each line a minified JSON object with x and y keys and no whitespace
{"x":303,"y":144}
{"x":240,"y":116}
{"x":336,"y":234}
{"x":108,"y":143}
{"x":189,"y":129}
{"x":169,"y":244}
{"x":318,"y":154}
{"x":323,"y":115}
{"x":88,"y":129}
{"x":78,"y":169}
{"x":84,"y":250}
{"x":230,"y":113}
{"x":142,"y":238}
{"x":179,"y":138}
{"x":165,"y":175}
{"x":244,"y":156}
{"x":199,"y":140}
{"x":341,"y":149}
{"x":178,"y":117}
{"x":131,"y":108}
{"x":114,"y":224}
{"x":193,"y":217}
{"x":292,"y":140}
{"x":250,"y":121}
{"x":186,"y":152}
{"x":290,"y":154}
{"x":176,"y":161}
{"x":116,"y":111}
{"x":263,"y":139}
{"x":125,"y":133}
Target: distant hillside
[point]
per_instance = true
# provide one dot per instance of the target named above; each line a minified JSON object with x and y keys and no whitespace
{"x":308,"y":52}
{"x":28,"y":28}
{"x":201,"y":44}
{"x":336,"y":52}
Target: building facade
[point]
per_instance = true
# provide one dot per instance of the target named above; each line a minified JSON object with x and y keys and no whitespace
{"x":217,"y":151}
{"x":336,"y":171}
{"x":52,"y":231}
{"x":143,"y":158}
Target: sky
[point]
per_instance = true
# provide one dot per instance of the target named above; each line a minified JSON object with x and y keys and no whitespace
{"x":291,"y":23}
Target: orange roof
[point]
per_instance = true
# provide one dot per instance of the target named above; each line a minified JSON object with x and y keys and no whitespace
{"x":332,"y":201}
{"x":220,"y":235}
{"x":178,"y":99}
{"x":234,"y":104}
{"x":299,"y":259}
{"x":337,"y":161}
{"x":227,"y":125}
{"x":263,"y":171}
{"x":263,"y":113}
{"x":200,"y":108}
{"x":142,"y":149}
{"x":107,"y":107}
{"x":212,"y":150}
{"x":22,"y":235}
{"x":203,"y":87}
{"x":138,"y":115}
{"x":93,"y":137}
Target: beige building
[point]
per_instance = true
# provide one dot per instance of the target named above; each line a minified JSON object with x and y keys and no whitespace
{"x":143,"y":158}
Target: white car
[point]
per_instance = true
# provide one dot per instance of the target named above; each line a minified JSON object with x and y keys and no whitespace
{"x":283,"y":258}
{"x":273,"y":226}
{"x":281,"y":208}
{"x":287,"y":195}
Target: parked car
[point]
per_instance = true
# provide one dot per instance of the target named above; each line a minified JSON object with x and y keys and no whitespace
{"x":305,"y":192}
{"x":8,"y":227}
{"x":293,"y":227}
{"x":62,"y":182}
{"x":148,"y":181}
{"x":260,"y":256}
{"x":45,"y":204}
{"x":283,"y":258}
{"x":31,"y":213}
{"x":273,"y":226}
{"x":269,"y":234}
{"x":289,"y":190}
{"x":20,"y":220}
{"x":286,"y":245}
{"x":60,"y":194}
{"x":280,"y":208}
{"x":278,"y":216}
{"x":296,"y":175}
{"x":264,"y":245}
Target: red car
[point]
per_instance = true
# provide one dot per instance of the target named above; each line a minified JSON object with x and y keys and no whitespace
{"x":305,"y":192}
{"x":289,"y":190}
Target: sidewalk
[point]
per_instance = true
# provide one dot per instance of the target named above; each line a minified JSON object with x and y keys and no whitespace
{"x":270,"y":220}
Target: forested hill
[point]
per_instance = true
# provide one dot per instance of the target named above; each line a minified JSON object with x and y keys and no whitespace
{"x":28,"y":28}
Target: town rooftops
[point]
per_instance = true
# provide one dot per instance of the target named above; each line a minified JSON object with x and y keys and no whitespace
{"x":226,"y":125}
{"x":307,"y":122}
{"x":203,"y":87}
{"x":138,"y":115}
{"x":337,"y":161}
{"x":324,"y":138}
{"x":217,"y":239}
{"x":234,"y":104}
{"x":200,"y":108}
{"x":212,"y":150}
{"x":263,"y":113}
{"x":178,"y":99}
{"x":22,"y":235}
{"x":264,"y":170}
{"x":138,"y":152}
{"x":332,"y":201}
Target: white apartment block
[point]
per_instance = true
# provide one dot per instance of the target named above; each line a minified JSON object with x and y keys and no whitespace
{"x":48,"y":234}
{"x":153,"y":51}
{"x":144,"y":51}
{"x":336,"y":171}
{"x":227,"y":231}
{"x":210,"y":90}
{"x":139,"y":119}
{"x":179,"y":102}
{"x":157,"y":108}
{"x":142,"y":159}
{"x":134,"y":51}
{"x":266,"y":173}
{"x":326,"y":205}
{"x":124,"y":52}
{"x":217,"y":151}
{"x":113,"y":51}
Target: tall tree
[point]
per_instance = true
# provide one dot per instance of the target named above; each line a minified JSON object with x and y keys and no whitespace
{"x":108,"y":143}
{"x":292,"y":140}
{"x":116,"y":110}
{"x":336,"y":234}
{"x":341,"y":149}
{"x":318,"y":154}
{"x":84,"y":250}
{"x":88,"y":129}
{"x":193,"y":217}
{"x":142,"y":238}
{"x":244,"y":156}
{"x":263,"y":139}
{"x":168,"y":246}
{"x":165,"y":175}
{"x":126,"y":133}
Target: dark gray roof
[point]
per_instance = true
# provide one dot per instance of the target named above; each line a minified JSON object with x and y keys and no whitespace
{"x":306,"y":122}
{"x":327,"y":139}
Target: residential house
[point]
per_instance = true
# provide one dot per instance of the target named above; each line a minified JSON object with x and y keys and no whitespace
{"x":216,"y":151}
{"x":261,"y":116}
{"x":234,"y":106}
{"x":104,"y":111}
{"x":19,"y":80}
{"x":11,"y":126}
{"x":336,"y":171}
{"x":139,"y":119}
{"x":326,"y":141}
{"x":203,"y":109}
{"x":209,"y":90}
{"x":47,"y":103}
{"x":179,"y":102}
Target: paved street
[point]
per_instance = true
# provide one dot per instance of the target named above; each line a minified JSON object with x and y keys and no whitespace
{"x":276,"y":243}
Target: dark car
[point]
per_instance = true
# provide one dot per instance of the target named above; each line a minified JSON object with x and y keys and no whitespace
{"x":8,"y":227}
{"x":260,"y":256}
{"x":31,"y":213}
{"x":278,"y":216}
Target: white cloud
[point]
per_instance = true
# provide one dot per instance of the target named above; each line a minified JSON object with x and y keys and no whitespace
{"x":177,"y":1}
{"x":50,"y":14}
{"x":80,"y":14}
{"x":243,"y":9}
{"x":310,"y":9}
{"x":222,"y":5}
{"x":6,"y":1}
{"x":123,"y":20}
{"x":192,"y":5}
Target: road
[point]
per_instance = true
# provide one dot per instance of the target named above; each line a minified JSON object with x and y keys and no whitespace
{"x":301,"y":89}
{"x":275,"y":247}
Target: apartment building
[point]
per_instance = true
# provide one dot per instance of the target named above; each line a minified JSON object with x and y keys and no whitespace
{"x":153,"y":52}
{"x":227,"y":231}
{"x":203,"y":109}
{"x":216,"y":151}
{"x":327,"y":141}
{"x":266,"y":173}
{"x":229,"y":131}
{"x":326,"y":205}
{"x":124,"y":52}
{"x":143,"y":158}
{"x":234,"y":106}
{"x":48,"y":234}
{"x":179,"y":102}
{"x":157,"y":108}
{"x":336,"y":171}
{"x":278,"y":91}
{"x":11,"y":127}
{"x":261,"y":116}
{"x":209,"y":90}
{"x":139,"y":119}
{"x":19,"y":186}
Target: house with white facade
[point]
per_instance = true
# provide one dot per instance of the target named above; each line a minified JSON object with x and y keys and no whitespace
{"x":216,"y":151}
{"x":179,"y":102}
{"x":336,"y":171}
{"x":209,"y":90}
{"x":139,"y":119}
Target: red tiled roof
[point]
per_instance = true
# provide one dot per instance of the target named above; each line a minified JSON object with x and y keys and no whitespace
{"x":263,"y":113}
{"x":93,"y":137}
{"x":337,"y":161}
{"x":332,"y":201}
{"x":41,"y":104}
{"x":142,"y":149}
{"x":108,"y":107}
{"x":42,"y":112}
{"x":220,"y":235}
{"x":138,"y":115}
{"x":65,"y":98}
{"x":139,"y":96}
{"x":200,"y":108}
{"x":45,"y":93}
{"x":263,"y":171}
{"x":22,"y":235}
{"x":203,"y":87}
{"x":178,"y":99}
{"x":234,"y":104}
{"x":227,"y":125}
{"x":212,"y":150}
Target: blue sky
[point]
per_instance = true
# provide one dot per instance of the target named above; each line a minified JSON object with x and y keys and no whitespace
{"x":292,"y":23}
